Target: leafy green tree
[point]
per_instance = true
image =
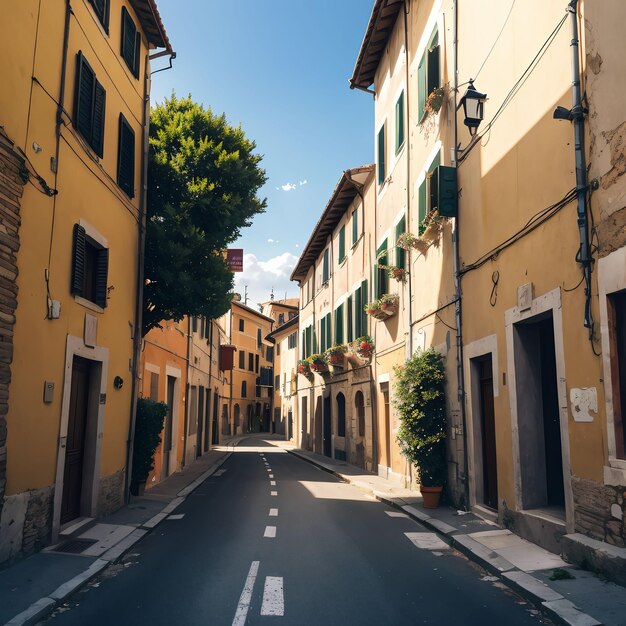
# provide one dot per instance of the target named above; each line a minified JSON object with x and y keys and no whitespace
{"x":203,"y":180}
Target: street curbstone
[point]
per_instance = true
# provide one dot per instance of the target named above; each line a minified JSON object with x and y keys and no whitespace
{"x":566,"y":613}
{"x":34,"y":613}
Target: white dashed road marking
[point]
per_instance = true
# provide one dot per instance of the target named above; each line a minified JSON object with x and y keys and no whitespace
{"x":427,"y":541}
{"x":273,"y":512}
{"x":270,"y":531}
{"x":271,"y":475}
{"x":273,"y":597}
{"x":220,"y":472}
{"x":246,"y":595}
{"x":396,"y":514}
{"x":273,"y":483}
{"x":177,"y":516}
{"x":273,"y":493}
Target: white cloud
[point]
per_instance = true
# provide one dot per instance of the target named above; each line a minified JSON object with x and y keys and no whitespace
{"x":262,"y":276}
{"x":297,"y":245}
{"x":303,"y":182}
{"x":288,"y":187}
{"x":270,"y":241}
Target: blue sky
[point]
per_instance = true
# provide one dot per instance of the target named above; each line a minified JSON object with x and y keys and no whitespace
{"x":280,"y":69}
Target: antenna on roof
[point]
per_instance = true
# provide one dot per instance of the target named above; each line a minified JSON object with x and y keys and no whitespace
{"x":245,"y":295}
{"x":272,"y":294}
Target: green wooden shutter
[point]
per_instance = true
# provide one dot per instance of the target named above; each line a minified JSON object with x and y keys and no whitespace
{"x":342,"y":243}
{"x":381,"y":155}
{"x":329,"y":331}
{"x":350,"y":321}
{"x":101,"y":8}
{"x":400,"y":122}
{"x":362,"y":312}
{"x":358,"y":308}
{"x":83,"y":97}
{"x":102,"y":271}
{"x":325,"y":267}
{"x":77,"y":285}
{"x":433,"y":186}
{"x":126,"y":158}
{"x":99,"y":108}
{"x":339,"y":324}
{"x":400,"y":253}
{"x":355,"y":226}
{"x":129,"y":32}
{"x":433,"y":63}
{"x":382,"y":284}
{"x":323,"y":334}
{"x":421,"y":88}
{"x":421,"y":204}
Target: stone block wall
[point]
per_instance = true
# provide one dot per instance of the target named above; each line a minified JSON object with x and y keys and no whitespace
{"x":12,"y":178}
{"x":599,"y":511}
{"x":111,"y":493}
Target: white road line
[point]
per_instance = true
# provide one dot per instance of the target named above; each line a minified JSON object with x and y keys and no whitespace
{"x":273,"y":493}
{"x":268,"y":469}
{"x":273,"y":483}
{"x":273,"y":513}
{"x":427,"y":541}
{"x":271,"y":475}
{"x":270,"y":531}
{"x":396,"y":514}
{"x":178,"y":516}
{"x":246,"y":596}
{"x":273,"y":597}
{"x":220,"y":472}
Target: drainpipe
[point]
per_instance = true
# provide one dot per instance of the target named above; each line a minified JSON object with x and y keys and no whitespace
{"x":408,"y":169}
{"x":187,"y":388}
{"x":578,"y":118}
{"x":141,"y":242}
{"x":460,"y":369}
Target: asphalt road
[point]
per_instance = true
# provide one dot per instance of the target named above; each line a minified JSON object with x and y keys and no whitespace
{"x":337,"y":557}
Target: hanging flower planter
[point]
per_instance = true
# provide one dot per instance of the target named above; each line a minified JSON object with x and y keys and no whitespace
{"x":406,"y":241}
{"x":304,"y":368}
{"x":361,"y":350}
{"x":435,"y":100}
{"x":383,"y":308}
{"x":433,"y":225}
{"x":317,"y":364}
{"x":395,"y":273}
{"x":335,"y":356}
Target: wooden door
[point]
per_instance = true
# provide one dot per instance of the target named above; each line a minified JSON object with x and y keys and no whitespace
{"x":199,"y":438}
{"x":328,"y":448}
{"x":167,"y":435}
{"x":75,"y":444}
{"x":488,"y":430}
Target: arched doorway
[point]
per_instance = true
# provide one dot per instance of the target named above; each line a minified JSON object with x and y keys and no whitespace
{"x":318,"y":425}
{"x":341,"y":415}
{"x":359,"y":405}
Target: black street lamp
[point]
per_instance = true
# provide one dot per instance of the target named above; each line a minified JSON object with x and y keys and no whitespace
{"x":473,"y":106}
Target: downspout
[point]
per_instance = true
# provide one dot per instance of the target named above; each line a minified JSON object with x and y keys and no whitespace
{"x":460,"y":369}
{"x":408,"y":169}
{"x":578,"y":118}
{"x":187,"y":388}
{"x":141,"y":244}
{"x":230,"y":402}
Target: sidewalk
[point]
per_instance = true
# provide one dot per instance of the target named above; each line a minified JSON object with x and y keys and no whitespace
{"x":576,"y":598}
{"x":33,"y":587}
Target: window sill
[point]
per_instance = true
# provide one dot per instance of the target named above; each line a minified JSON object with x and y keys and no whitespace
{"x":356,"y":243}
{"x":400,"y":148}
{"x":615,"y":475}
{"x":88,"y":304}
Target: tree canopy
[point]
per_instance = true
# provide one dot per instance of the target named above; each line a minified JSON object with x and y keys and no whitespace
{"x":203,"y":179}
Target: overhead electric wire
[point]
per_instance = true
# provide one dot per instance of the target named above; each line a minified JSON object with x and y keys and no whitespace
{"x":496,"y":40}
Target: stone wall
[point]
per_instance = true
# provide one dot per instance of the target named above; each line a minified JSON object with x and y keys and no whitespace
{"x":111,"y":493}
{"x":599,"y":511}
{"x":12,"y":178}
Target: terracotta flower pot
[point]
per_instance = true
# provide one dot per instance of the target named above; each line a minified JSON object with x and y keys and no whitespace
{"x":431,"y":496}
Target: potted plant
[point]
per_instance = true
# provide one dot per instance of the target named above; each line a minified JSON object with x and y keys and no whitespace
{"x":406,"y":241}
{"x":335,"y":356}
{"x":395,"y":273}
{"x":148,"y":427}
{"x":317,"y":364}
{"x":364,"y":347}
{"x":435,"y":100}
{"x":304,"y":367}
{"x":420,"y":400}
{"x":432,"y":226}
{"x":388,"y":304}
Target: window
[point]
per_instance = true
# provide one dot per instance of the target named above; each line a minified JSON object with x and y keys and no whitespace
{"x":427,"y":193}
{"x":381,"y":279}
{"x":307,"y":342}
{"x":355,"y":226}
{"x":89,"y":105}
{"x":339,"y":324}
{"x":242,"y":360}
{"x":101,"y":9}
{"x":325,"y":267}
{"x":291,"y":315}
{"x":277,"y":381}
{"x":194,"y":324}
{"x":269,"y":353}
{"x":256,"y":363}
{"x":281,"y":319}
{"x":241,"y":325}
{"x":244,"y":389}
{"x":278,"y":349}
{"x":154,"y":386}
{"x":428,"y":74}
{"x":131,"y":43}
{"x":251,"y":361}
{"x":292,"y":341}
{"x":381,"y":155}
{"x":349,"y":319}
{"x":616,"y":308}
{"x":400,"y":122}
{"x":126,"y":158}
{"x":259,"y":342}
{"x":325,"y":332}
{"x":341,"y":415}
{"x":360,"y":316}
{"x":90,"y":268}
{"x":400,"y":253}
{"x":342,"y":244}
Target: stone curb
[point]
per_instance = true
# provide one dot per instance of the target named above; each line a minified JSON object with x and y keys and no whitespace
{"x":552,"y":604}
{"x":46,"y":605}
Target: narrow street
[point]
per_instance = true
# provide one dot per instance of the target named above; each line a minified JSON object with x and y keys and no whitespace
{"x":271,"y":536}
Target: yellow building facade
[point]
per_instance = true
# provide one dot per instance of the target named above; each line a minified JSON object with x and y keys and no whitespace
{"x":74,"y":104}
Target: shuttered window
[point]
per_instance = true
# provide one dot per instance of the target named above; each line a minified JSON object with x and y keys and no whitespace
{"x":428,"y":72}
{"x":101,"y":9}
{"x":339,"y":324}
{"x":381,"y":284}
{"x":421,"y":206}
{"x":89,"y":105}
{"x":126,"y":158}
{"x":242,"y":360}
{"x":355,"y":226}
{"x":400,"y":122}
{"x":342,"y":243}
{"x":90,"y":268}
{"x":381,"y":155}
{"x":361,"y":312}
{"x":251,"y":362}
{"x":325,"y":267}
{"x":350,"y":321}
{"x":400,"y":253}
{"x":131,"y":43}
{"x":244,"y":389}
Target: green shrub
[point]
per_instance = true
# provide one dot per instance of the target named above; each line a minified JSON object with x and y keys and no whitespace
{"x":148,"y":427}
{"x":420,"y":400}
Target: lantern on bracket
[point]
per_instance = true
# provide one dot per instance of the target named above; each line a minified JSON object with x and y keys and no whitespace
{"x":473,"y":108}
